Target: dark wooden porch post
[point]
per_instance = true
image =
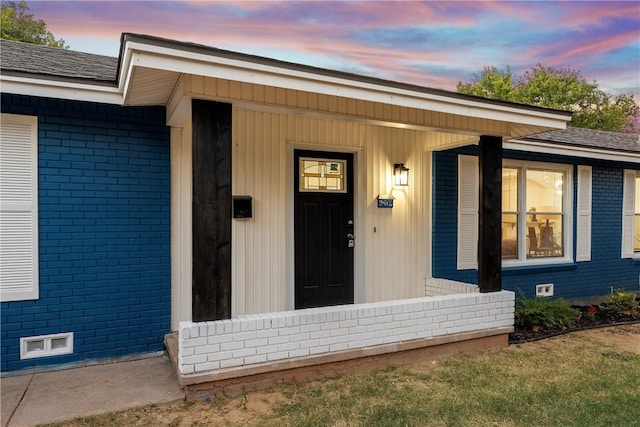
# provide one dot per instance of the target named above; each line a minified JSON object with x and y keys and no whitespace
{"x":211,"y":216}
{"x":490,"y":217}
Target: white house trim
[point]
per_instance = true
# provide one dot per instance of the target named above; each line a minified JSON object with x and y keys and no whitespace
{"x":181,"y":224}
{"x":570,"y":150}
{"x":61,"y":89}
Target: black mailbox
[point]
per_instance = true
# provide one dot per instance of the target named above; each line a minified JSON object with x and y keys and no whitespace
{"x":242,"y":207}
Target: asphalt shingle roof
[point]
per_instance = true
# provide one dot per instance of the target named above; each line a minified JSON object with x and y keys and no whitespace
{"x":590,"y":138}
{"x":19,"y":58}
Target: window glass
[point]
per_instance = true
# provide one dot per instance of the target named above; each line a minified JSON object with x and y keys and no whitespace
{"x":509,"y":236}
{"x":533,"y":212}
{"x":510,"y":213}
{"x":509,"y":189}
{"x":322,"y":175}
{"x":544,"y":190}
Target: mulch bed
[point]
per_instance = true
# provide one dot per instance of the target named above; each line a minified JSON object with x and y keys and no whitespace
{"x":591,"y":316}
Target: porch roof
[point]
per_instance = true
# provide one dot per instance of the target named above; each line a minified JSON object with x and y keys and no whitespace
{"x":149,"y":69}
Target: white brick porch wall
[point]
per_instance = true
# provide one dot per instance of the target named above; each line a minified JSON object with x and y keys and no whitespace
{"x":264,"y":338}
{"x":435,"y":287}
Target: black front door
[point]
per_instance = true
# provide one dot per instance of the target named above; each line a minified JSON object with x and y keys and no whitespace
{"x":324,"y":228}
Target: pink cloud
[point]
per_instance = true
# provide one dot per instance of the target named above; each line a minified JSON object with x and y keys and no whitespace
{"x":334,"y":31}
{"x":597,"y":12}
{"x":598,"y":46}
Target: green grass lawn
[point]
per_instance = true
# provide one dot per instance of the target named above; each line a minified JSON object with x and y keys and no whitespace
{"x":580,"y":379}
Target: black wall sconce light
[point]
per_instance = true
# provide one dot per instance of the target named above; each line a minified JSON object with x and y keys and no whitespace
{"x":400,"y":175}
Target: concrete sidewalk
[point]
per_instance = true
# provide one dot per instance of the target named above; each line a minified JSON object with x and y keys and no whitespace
{"x":46,"y":397}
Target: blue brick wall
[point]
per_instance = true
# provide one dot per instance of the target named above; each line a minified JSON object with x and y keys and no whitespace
{"x":104,"y":231}
{"x":574,"y":280}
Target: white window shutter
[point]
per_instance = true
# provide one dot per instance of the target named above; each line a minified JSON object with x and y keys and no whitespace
{"x":583,"y":225}
{"x":468,"y":194}
{"x":628,"y":211}
{"x":18,"y":208}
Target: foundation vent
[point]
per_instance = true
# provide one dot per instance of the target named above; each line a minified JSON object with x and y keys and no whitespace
{"x":46,"y":345}
{"x":545,"y":290}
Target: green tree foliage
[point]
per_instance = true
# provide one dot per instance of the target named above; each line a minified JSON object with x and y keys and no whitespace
{"x":19,"y":25}
{"x":560,"y":89}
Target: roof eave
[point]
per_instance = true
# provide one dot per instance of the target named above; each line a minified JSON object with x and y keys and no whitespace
{"x":186,"y":58}
{"x":551,"y":147}
{"x":70,"y":89}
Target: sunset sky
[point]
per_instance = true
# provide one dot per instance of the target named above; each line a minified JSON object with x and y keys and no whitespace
{"x":429,"y":43}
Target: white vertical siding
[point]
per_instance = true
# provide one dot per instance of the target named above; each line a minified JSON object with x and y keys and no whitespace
{"x":268,"y":124}
{"x":352,"y":110}
{"x":181,"y":188}
{"x":394,"y":255}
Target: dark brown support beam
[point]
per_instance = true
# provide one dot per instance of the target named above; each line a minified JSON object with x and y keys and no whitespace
{"x":211,"y":216}
{"x":490,"y":217}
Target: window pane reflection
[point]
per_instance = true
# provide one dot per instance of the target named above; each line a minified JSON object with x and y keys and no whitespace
{"x":509,"y":189}
{"x":544,"y":236}
{"x":509,"y":236}
{"x":544,"y":190}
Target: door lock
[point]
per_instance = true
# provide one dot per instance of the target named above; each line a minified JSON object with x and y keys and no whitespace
{"x":350,"y":240}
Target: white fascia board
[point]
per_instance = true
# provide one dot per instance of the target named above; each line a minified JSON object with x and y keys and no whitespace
{"x":125,"y":72}
{"x":60,"y":89}
{"x":163,"y":58}
{"x":571,"y":150}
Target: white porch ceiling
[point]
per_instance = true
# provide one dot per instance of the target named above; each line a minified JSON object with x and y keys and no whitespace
{"x":150,"y":86}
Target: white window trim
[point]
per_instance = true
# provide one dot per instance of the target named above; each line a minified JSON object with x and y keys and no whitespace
{"x":568,"y":218}
{"x":468,"y":235}
{"x":628,"y":212}
{"x":18,"y":282}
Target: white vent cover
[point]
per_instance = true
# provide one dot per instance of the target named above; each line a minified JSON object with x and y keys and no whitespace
{"x":545,"y":290}
{"x":46,"y":345}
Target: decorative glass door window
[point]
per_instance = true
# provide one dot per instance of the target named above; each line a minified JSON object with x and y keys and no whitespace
{"x":322,"y":175}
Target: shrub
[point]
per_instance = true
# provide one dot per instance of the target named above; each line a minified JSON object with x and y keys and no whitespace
{"x":622,"y":302}
{"x":545,"y":312}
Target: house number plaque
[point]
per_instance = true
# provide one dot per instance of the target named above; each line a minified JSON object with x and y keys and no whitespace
{"x":385,"y":203}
